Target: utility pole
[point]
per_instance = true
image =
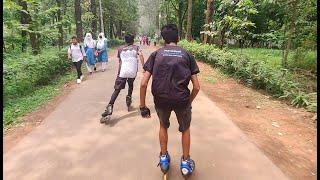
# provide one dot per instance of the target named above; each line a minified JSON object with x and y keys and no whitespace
{"x":101,"y":18}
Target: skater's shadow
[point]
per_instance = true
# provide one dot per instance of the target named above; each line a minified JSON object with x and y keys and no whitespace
{"x":133,"y":112}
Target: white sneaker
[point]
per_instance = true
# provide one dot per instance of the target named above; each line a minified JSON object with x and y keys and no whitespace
{"x":81,"y":77}
{"x":78,"y":81}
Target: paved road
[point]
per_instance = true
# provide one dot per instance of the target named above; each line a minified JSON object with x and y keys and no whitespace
{"x":72,"y":144}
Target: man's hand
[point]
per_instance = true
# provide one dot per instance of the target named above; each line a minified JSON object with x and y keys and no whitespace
{"x":145,"y":112}
{"x":143,"y":88}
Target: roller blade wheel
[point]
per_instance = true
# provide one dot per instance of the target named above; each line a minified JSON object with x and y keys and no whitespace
{"x":105,"y":119}
{"x":188,"y":176}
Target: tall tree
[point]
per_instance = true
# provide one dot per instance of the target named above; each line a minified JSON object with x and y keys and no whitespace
{"x":60,"y":28}
{"x":101,"y":17}
{"x":208,"y":20}
{"x":24,"y":19}
{"x":189,"y":24}
{"x":77,"y":12}
{"x":93,"y":7}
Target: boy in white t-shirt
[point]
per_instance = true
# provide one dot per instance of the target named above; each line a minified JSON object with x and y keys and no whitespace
{"x":128,"y":67}
{"x":77,"y":54}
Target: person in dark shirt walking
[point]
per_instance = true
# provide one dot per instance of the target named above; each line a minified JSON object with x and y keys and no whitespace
{"x":171,"y":68}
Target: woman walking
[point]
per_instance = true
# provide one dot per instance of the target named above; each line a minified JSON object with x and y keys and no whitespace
{"x":89,"y":47}
{"x":102,"y":51}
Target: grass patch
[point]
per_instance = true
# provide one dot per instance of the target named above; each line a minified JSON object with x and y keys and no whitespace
{"x":303,"y":59}
{"x":258,"y":68}
{"x":20,"y":106}
{"x":210,"y":80}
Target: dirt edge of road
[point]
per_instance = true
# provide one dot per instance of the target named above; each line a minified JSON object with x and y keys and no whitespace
{"x":286,"y":135}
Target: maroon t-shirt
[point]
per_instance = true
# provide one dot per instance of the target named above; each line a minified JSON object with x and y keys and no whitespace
{"x":171,"y":68}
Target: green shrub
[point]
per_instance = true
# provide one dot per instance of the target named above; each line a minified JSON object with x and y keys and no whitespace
{"x":115,"y":42}
{"x":23,"y":73}
{"x":277,"y":81}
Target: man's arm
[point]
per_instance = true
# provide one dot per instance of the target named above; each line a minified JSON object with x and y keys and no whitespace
{"x":140,"y":55}
{"x":196,"y":87}
{"x":143,"y":88}
{"x":69,"y":53}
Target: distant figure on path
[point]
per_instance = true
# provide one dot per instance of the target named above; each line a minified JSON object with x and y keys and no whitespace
{"x":89,"y":47}
{"x":77,"y":54}
{"x":171,"y":68}
{"x":102,"y":51}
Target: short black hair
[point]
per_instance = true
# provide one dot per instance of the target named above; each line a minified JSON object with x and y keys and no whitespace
{"x":170,"y":33}
{"x":129,"y":38}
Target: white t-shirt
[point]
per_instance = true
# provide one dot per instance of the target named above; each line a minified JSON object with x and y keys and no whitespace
{"x":76,"y":53}
{"x":129,"y":61}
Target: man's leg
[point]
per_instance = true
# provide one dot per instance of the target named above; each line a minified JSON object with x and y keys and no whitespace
{"x":114,"y":96}
{"x":79,"y":68}
{"x":163,"y":139}
{"x":89,"y":68}
{"x":164,"y":116}
{"x":185,"y":138}
{"x":130,"y":84}
{"x":184,"y":120}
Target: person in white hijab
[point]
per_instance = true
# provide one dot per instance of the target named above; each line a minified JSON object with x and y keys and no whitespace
{"x":89,"y":46}
{"x":102,"y":51}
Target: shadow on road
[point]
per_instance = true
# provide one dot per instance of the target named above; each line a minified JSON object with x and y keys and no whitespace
{"x":133,"y":113}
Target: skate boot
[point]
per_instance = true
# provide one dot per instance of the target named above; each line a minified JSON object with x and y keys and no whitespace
{"x":164,"y":162}
{"x":107,"y":114}
{"x":187,"y":167}
{"x":128,"y":101}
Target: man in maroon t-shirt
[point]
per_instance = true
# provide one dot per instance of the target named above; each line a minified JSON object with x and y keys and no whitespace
{"x":171,"y":68}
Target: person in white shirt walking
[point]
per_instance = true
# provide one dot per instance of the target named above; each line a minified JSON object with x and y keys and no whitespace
{"x":77,"y":54}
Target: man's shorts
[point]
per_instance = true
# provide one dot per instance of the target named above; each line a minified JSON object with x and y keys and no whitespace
{"x":121,"y":82}
{"x":183,"y":115}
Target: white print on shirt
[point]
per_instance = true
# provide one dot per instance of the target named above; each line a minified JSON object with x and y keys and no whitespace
{"x":172,"y":53}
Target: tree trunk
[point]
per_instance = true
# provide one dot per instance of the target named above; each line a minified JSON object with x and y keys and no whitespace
{"x":208,"y":19}
{"x":111,"y":29}
{"x":222,"y":34}
{"x":60,"y":28}
{"x":158,"y":22}
{"x":288,"y":47}
{"x":180,"y":21}
{"x":77,"y":12}
{"x":94,"y":27}
{"x":189,"y":23}
{"x":291,"y":32}
{"x":23,"y":20}
{"x":101,"y":17}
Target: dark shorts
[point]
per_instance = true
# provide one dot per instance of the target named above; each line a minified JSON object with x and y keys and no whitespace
{"x":183,"y":115}
{"x":121,"y":82}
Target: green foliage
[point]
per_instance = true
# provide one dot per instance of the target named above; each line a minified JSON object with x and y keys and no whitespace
{"x":24,"y":72}
{"x":19,"y":106}
{"x":115,"y":42}
{"x":254,"y":72}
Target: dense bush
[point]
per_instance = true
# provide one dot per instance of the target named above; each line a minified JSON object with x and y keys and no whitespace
{"x":277,"y":81}
{"x":24,"y":72}
{"x":115,"y":42}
